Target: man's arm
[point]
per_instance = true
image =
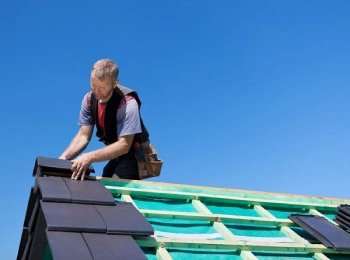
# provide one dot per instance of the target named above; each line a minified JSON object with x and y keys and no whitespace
{"x":79,"y":142}
{"x":118,"y":148}
{"x":128,"y":120}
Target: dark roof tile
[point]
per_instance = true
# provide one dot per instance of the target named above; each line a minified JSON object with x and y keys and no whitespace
{"x":89,"y":192}
{"x":68,"y":246}
{"x":54,"y":189}
{"x":325,"y":231}
{"x":103,"y":246}
{"x":72,"y":217}
{"x":124,"y":218}
{"x":54,"y":165}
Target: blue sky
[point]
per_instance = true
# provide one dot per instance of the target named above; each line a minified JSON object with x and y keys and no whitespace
{"x":236,"y":94}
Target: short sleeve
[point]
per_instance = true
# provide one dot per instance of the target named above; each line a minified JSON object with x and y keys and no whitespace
{"x":128,"y":117}
{"x":85,"y":116}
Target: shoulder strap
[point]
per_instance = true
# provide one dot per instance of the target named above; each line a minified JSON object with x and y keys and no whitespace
{"x":144,"y":135}
{"x":119,"y":93}
{"x":126,"y":91}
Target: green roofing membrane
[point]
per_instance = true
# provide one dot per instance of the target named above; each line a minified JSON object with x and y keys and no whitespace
{"x":174,"y":225}
{"x":239,"y":210}
{"x":281,"y":256}
{"x":328,"y":214}
{"x":197,"y":254}
{"x":284,"y":213}
{"x":337,"y":257}
{"x":163,"y":204}
{"x":304,"y":234}
{"x":193,"y":254}
{"x":181,"y":226}
{"x":150,"y":252}
{"x":47,"y":253}
{"x":117,"y":198}
{"x":254,"y":231}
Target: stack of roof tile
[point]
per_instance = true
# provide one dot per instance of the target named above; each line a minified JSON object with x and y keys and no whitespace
{"x":343,"y":216}
{"x":329,"y":234}
{"x":79,"y":220}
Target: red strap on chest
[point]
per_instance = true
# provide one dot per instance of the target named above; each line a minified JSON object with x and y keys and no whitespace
{"x":101,"y":116}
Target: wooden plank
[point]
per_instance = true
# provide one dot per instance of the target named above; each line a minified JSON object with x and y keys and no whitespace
{"x":218,"y":226}
{"x":240,"y":245}
{"x":263,"y":212}
{"x":163,"y":254}
{"x":225,"y":232}
{"x":200,"y":207}
{"x":216,"y":218}
{"x":292,"y":235}
{"x":317,"y":213}
{"x":219,"y":191}
{"x":247,"y":255}
{"x":286,"y":230}
{"x":217,"y":199}
{"x":128,"y":198}
{"x":222,"y":229}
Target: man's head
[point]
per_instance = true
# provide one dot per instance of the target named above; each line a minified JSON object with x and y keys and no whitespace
{"x":104,"y":78}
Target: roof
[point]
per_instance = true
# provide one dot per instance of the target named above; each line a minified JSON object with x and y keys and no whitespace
{"x":193,"y":222}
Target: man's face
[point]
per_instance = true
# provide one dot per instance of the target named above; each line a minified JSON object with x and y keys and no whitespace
{"x":102,"y":90}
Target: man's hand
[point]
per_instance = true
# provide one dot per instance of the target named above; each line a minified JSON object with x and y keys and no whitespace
{"x":80,"y":165}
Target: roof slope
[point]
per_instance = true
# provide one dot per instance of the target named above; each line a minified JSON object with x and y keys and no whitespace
{"x":193,"y":221}
{"x":189,"y":222}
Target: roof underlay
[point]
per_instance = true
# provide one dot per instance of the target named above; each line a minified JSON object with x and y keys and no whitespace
{"x":193,"y":222}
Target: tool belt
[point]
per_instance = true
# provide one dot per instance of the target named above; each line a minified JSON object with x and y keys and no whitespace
{"x":148,"y":163}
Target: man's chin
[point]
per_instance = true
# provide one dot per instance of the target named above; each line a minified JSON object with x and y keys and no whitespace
{"x":98,"y":96}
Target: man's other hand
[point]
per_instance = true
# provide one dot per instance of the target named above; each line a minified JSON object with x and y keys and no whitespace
{"x":80,"y":165}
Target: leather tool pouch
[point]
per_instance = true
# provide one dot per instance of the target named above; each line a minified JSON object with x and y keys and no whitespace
{"x":151,"y":166}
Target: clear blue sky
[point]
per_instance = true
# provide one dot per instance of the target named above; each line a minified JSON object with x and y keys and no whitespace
{"x":236,"y":94}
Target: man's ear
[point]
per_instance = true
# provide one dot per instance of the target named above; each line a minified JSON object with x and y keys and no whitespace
{"x":116,"y":83}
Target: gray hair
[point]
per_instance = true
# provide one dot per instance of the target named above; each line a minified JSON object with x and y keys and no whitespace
{"x":105,"y":68}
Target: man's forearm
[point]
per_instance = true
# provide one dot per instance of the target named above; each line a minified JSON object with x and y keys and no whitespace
{"x":110,"y":152}
{"x":77,"y":145}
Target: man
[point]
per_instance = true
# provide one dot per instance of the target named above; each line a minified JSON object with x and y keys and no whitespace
{"x":114,"y":110}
